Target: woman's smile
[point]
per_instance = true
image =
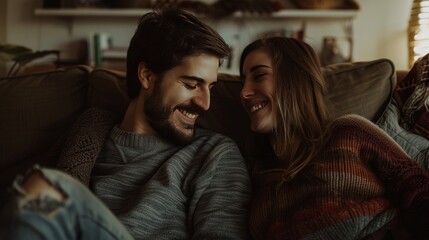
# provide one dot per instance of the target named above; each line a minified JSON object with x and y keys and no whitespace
{"x":258,"y":107}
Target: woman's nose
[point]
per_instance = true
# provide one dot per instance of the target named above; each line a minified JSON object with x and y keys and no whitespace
{"x":246,"y":91}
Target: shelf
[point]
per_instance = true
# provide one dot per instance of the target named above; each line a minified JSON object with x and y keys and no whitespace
{"x":315,"y":14}
{"x":135,"y":12}
{"x":90,"y":12}
{"x":340,"y":19}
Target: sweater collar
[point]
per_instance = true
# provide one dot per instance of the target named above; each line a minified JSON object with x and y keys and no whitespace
{"x":138,"y":141}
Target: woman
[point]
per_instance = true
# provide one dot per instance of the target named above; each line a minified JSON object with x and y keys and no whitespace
{"x":322,"y":178}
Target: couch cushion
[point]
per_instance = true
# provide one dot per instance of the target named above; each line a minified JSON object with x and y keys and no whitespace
{"x":36,"y":111}
{"x":108,"y":91}
{"x":363,"y":88}
{"x":226,"y":114}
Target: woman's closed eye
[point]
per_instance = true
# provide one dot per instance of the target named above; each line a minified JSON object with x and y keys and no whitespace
{"x":259,"y":76}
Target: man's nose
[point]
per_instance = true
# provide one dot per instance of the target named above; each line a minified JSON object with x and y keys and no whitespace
{"x":203,"y":99}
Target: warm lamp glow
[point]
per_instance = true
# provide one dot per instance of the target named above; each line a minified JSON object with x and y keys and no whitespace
{"x":418,"y":30}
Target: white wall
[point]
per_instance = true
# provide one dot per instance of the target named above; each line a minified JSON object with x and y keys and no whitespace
{"x":380,"y":30}
{"x":22,"y":26}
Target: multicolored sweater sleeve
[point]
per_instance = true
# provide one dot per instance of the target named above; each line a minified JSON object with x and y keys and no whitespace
{"x":363,"y":184}
{"x":405,"y":181}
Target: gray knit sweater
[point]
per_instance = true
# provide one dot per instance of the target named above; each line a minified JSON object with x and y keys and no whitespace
{"x":163,"y":191}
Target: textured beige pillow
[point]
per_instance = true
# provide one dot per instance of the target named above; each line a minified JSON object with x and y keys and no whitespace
{"x":363,"y":88}
{"x":36,"y":110}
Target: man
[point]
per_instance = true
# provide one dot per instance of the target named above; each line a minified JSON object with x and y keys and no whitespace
{"x":158,"y":174}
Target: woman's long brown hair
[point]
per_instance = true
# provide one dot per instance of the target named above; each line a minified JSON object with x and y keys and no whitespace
{"x":300,"y":108}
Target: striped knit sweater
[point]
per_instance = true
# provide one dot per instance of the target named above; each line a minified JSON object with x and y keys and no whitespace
{"x":163,"y":191}
{"x":364,"y":186}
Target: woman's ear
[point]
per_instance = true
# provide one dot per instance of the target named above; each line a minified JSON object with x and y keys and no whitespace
{"x":145,"y":75}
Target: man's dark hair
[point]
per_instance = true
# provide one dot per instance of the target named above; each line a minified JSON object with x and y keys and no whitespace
{"x":164,"y":38}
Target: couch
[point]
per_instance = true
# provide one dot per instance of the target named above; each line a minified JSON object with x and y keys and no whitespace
{"x":38,"y":110}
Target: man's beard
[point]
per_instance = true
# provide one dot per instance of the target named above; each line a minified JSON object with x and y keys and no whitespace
{"x":159,"y":116}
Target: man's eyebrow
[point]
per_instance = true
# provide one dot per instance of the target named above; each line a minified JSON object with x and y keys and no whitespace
{"x":193,"y":78}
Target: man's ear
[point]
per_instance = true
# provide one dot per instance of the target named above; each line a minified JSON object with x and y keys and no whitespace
{"x":145,"y":75}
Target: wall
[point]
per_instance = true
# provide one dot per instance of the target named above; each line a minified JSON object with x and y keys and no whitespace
{"x":379,"y":30}
{"x":22,"y":26}
{"x":3,"y":6}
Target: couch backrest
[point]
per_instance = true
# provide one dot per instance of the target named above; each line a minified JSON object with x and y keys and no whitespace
{"x":36,"y":111}
{"x":108,"y":91}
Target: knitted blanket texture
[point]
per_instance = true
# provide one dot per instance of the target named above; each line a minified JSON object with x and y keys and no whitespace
{"x":85,"y":142}
{"x":412,"y":96}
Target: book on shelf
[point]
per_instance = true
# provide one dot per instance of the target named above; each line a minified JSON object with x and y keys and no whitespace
{"x":114,"y":53}
{"x":101,"y":50}
{"x":96,"y":43}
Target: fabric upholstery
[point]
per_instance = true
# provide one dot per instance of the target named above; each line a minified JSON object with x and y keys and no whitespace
{"x":226,"y":114}
{"x":85,"y":142}
{"x":406,"y":119}
{"x":416,"y":146}
{"x":412,"y":96}
{"x":363,"y":88}
{"x":36,"y":112}
{"x":108,"y":91}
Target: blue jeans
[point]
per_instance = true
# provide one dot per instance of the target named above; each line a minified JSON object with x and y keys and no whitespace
{"x":80,"y":215}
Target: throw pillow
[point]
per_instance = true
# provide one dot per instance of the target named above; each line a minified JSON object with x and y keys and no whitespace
{"x":84,"y":143}
{"x":416,"y":146}
{"x":362,"y":88}
{"x":412,"y":95}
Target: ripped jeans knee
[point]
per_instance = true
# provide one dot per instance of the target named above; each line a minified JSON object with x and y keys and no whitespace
{"x":53,"y":205}
{"x":36,"y":193}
